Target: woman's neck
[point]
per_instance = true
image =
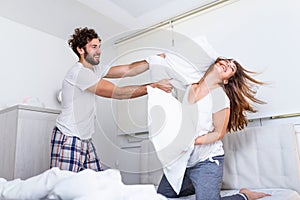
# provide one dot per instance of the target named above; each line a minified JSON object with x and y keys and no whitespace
{"x":211,"y":83}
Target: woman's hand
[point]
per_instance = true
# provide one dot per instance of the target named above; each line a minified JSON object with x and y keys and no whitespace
{"x":200,"y":140}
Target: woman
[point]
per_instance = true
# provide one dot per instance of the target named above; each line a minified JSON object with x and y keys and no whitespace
{"x":221,"y":97}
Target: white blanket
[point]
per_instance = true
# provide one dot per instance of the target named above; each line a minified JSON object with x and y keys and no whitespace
{"x":85,"y":185}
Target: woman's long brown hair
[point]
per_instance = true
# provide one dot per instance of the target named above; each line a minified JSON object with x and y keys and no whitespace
{"x":240,"y":90}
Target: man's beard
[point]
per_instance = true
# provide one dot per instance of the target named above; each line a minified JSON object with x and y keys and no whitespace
{"x":90,"y":59}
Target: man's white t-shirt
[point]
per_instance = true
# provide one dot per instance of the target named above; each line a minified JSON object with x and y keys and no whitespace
{"x":77,"y":115}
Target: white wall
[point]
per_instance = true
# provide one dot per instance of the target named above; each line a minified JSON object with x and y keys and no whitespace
{"x":33,"y":65}
{"x":263,"y":35}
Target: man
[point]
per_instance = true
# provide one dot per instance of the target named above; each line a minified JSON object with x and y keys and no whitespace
{"x":71,"y":143}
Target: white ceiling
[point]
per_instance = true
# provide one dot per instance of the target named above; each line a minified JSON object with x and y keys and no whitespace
{"x":142,"y":13}
{"x":108,"y":17}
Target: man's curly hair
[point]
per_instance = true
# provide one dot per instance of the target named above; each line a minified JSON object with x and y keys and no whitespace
{"x":81,"y":37}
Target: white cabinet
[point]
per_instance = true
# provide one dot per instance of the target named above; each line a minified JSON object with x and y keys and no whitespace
{"x":25,"y":134}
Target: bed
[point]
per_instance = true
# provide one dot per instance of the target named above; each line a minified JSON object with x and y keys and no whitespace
{"x":263,"y":158}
